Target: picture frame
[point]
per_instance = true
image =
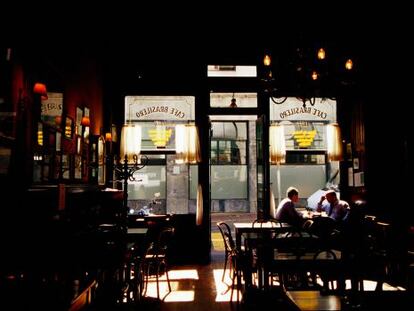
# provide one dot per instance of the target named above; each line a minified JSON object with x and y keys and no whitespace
{"x":78,"y":120}
{"x":356,"y":163}
{"x":68,"y":127}
{"x":86,"y":129}
{"x":65,"y":166}
{"x":78,"y":166}
{"x":58,"y":141}
{"x":52,"y":109}
{"x":40,"y":134}
{"x":78,"y":144}
{"x":101,"y":160}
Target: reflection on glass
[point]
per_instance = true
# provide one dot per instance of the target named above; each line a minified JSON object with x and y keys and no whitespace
{"x":229,"y":182}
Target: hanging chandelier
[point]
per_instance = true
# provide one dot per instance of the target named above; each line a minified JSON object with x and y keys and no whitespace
{"x":305,"y":73}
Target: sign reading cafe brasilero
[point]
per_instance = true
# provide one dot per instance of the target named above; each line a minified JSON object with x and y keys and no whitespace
{"x":293,"y":110}
{"x":159,"y":108}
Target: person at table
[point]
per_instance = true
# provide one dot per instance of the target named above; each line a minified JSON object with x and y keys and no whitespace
{"x":336,"y":209}
{"x":286,"y":211}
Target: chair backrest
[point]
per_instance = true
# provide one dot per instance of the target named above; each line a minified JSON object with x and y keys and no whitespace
{"x":161,"y":243}
{"x":226,"y":234}
{"x":259,"y":222}
{"x":165,"y":236}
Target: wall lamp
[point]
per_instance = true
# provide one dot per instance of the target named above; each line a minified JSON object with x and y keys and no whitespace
{"x":86,"y":121}
{"x":131,"y":159}
{"x":187,"y":144}
{"x":277,"y":153}
{"x":334,"y":142}
{"x":40,"y":89}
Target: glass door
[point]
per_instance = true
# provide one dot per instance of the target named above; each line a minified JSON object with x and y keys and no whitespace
{"x":261,"y":169}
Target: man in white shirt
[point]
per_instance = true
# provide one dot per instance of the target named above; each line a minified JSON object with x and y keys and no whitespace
{"x":336,"y":209}
{"x":286,"y":211}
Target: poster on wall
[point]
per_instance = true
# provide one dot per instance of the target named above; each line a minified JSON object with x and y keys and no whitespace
{"x":350,"y":177}
{"x":52,"y":108}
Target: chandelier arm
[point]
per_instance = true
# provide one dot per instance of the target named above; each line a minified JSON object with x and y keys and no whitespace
{"x":131,"y":175}
{"x":312,"y":100}
{"x":283,"y":99}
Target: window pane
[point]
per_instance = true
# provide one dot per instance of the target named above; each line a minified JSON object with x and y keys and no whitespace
{"x":307,"y":178}
{"x":148,"y":181}
{"x":231,"y":71}
{"x":193,"y":181}
{"x":229,"y":182}
{"x":229,"y":142}
{"x":243,"y":100}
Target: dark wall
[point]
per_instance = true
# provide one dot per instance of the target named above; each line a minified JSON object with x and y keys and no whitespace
{"x":389,"y":142}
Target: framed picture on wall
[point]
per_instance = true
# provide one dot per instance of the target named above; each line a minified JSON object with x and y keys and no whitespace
{"x":52,"y":108}
{"x":86,"y":129}
{"x":78,"y":166}
{"x":65,"y":166}
{"x":58,"y":141}
{"x":68,"y":127}
{"x":78,"y":120}
{"x":78,"y":144}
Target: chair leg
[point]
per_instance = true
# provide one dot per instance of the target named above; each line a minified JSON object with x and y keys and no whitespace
{"x":226,"y":258}
{"x":168,"y":279}
{"x":158,"y":282}
{"x":232,"y":287}
{"x":146,"y":279}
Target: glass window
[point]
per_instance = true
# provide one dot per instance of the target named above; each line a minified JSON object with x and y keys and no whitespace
{"x":229,"y":143}
{"x":231,"y":71}
{"x":148,"y":181}
{"x":303,"y":135}
{"x":241,"y":100}
{"x":229,"y":182}
{"x":229,"y":160}
{"x":193,"y":181}
{"x":307,"y":178}
{"x":157,"y":135}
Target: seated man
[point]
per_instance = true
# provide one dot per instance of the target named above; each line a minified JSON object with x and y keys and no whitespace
{"x":286,"y":211}
{"x":337,"y":209}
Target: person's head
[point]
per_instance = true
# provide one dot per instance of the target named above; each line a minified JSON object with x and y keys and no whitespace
{"x":330,"y":196}
{"x":293,"y":194}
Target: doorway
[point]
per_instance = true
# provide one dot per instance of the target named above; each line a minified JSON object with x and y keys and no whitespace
{"x":233,"y":172}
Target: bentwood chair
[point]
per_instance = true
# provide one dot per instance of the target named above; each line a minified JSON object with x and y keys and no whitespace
{"x":236,"y":261}
{"x":229,"y":246}
{"x":155,"y":261}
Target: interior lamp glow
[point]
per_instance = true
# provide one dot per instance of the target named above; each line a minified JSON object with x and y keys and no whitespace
{"x":277,"y":155}
{"x":277,"y":144}
{"x":130,"y":143}
{"x":187,"y":144}
{"x":334,"y":142}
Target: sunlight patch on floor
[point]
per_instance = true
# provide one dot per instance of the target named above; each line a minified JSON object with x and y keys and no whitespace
{"x":368,"y":285}
{"x":177,"y":279}
{"x":223,"y":288}
{"x":189,"y":274}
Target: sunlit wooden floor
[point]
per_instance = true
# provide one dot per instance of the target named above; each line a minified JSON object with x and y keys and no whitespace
{"x":200,"y":287}
{"x":196,"y":287}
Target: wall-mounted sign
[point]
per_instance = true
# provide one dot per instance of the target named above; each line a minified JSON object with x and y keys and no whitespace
{"x":293,"y":110}
{"x":139,"y":108}
{"x":304,"y":138}
{"x":51,"y":111}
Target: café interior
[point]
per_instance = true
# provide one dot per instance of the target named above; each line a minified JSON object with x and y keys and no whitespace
{"x":150,"y":179}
